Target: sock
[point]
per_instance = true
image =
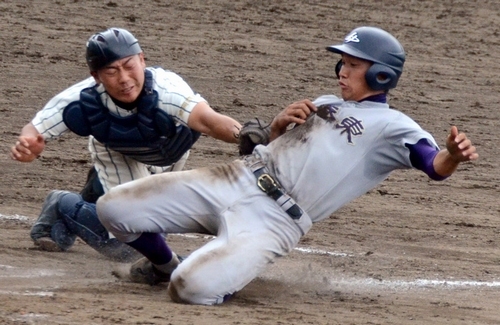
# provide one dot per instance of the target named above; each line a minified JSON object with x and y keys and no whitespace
{"x":170,"y":266}
{"x":153,"y":247}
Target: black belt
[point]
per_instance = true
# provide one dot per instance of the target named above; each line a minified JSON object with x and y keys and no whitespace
{"x":269,"y":186}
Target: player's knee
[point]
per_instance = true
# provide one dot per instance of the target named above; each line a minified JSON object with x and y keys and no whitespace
{"x":186,"y":289}
{"x":80,"y":217}
{"x":75,"y":211}
{"x":181,"y":291}
{"x":69,"y":204}
{"x":175,"y":290}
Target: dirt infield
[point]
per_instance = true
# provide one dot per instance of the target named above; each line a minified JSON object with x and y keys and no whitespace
{"x":412,"y":251}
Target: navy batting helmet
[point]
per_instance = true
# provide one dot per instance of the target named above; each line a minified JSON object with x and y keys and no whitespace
{"x":378,"y":46}
{"x":111,"y":45}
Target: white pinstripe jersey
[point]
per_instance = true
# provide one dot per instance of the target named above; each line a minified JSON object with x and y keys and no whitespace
{"x":174,"y":97}
{"x":324,"y":164}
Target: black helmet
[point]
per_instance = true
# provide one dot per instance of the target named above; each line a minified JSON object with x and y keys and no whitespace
{"x":381,"y":48}
{"x":109,"y":46}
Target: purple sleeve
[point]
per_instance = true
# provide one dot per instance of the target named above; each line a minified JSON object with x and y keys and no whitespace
{"x":422,"y":156}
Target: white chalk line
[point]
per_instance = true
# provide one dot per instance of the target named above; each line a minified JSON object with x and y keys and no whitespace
{"x":14,"y":217}
{"x":9,"y":271}
{"x":418,"y":283}
{"x":27,"y":293}
{"x":369,"y":282}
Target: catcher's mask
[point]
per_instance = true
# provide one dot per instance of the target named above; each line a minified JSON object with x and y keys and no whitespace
{"x":378,"y":46}
{"x":108,"y":46}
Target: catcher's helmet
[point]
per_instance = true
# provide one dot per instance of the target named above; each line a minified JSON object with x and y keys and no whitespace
{"x":111,"y":45}
{"x":378,"y":46}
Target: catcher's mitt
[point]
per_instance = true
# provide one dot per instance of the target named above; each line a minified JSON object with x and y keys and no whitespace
{"x":253,"y":133}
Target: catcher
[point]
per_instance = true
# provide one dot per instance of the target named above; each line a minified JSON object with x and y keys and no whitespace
{"x":139,"y":121}
{"x":260,"y":206}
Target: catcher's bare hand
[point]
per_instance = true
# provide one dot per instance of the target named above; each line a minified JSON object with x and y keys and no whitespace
{"x":27,"y":148}
{"x":295,"y":113}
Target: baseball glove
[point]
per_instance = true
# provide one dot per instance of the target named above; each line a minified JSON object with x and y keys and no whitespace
{"x":253,"y":133}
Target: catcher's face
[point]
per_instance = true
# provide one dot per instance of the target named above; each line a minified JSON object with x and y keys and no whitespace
{"x":352,"y":81}
{"x":124,"y":78}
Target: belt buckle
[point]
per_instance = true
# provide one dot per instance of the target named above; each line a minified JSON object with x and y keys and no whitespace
{"x":266,"y":183}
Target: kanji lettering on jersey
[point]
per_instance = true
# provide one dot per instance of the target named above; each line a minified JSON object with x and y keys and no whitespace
{"x":351,"y":126}
{"x":327,"y":112}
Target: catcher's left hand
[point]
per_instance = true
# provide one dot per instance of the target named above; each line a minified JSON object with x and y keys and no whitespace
{"x":252,"y":133}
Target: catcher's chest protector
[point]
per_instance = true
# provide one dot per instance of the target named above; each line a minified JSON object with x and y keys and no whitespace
{"x":150,"y":136}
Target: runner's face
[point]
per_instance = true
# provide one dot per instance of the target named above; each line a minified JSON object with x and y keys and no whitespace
{"x":124,"y":78}
{"x":352,"y":81}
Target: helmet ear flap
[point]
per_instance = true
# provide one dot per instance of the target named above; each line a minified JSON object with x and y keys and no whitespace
{"x":381,"y":77}
{"x":338,"y":66}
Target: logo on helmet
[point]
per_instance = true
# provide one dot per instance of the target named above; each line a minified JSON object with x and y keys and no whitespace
{"x":353,"y":37}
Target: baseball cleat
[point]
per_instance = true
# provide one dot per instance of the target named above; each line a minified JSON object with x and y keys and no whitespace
{"x":143,"y":271}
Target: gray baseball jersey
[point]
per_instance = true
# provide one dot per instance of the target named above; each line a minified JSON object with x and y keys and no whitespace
{"x":174,"y":97}
{"x":332,"y":161}
{"x":335,"y":156}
